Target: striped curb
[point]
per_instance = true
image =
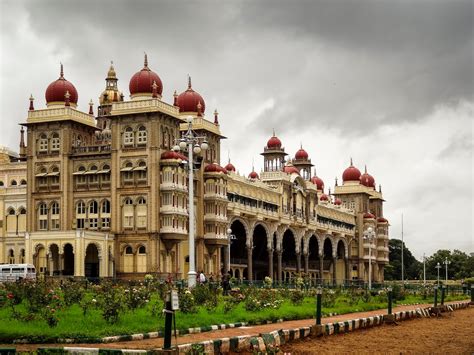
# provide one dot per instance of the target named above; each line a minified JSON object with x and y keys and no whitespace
{"x":272,"y":340}
{"x":89,"y":351}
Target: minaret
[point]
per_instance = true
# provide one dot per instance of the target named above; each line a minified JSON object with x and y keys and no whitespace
{"x":110,"y":94}
{"x":22,"y":144}
{"x":273,"y":155}
{"x":303,"y":163}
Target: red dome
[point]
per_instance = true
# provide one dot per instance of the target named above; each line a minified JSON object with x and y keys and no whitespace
{"x":367,"y":179}
{"x":274,"y":142}
{"x":351,"y":173}
{"x":189,"y":100}
{"x":324,"y":197}
{"x":338,"y":202}
{"x":170,"y":154}
{"x":318,"y":182}
{"x":230,"y":167}
{"x":368,"y":215}
{"x":382,"y":220}
{"x":301,"y":154}
{"x":253,"y":175}
{"x":142,"y":81}
{"x":290,"y":169}
{"x":214,"y":168}
{"x":56,"y":91}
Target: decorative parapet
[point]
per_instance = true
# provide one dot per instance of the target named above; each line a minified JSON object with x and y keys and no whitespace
{"x":201,"y":123}
{"x":148,"y":105}
{"x":60,"y":114}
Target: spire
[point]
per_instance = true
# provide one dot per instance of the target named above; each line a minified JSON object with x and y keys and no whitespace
{"x":351,"y":162}
{"x":365,"y":168}
{"x":189,"y":82}
{"x":380,"y":188}
{"x":67,"y":95}
{"x":336,"y":181}
{"x":273,"y":132}
{"x":216,"y":117}
{"x":145,"y":61}
{"x":31,"y":103}
{"x":61,"y":73}
{"x":301,"y":145}
{"x":329,"y":192}
{"x":22,"y":137}
{"x":175,"y":98}
{"x":91,"y":109}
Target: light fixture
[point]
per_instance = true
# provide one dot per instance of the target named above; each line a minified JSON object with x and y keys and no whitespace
{"x":204,"y":145}
{"x":182,"y":143}
{"x":176,"y":148}
{"x":197,"y":149}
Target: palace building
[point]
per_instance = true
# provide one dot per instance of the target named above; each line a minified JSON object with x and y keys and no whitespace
{"x":105,"y":194}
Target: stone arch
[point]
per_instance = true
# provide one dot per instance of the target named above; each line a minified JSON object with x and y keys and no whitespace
{"x":92,"y":260}
{"x":260,"y":251}
{"x":288,"y":244}
{"x":68,"y":259}
{"x":268,"y":233}
{"x":238,"y":246}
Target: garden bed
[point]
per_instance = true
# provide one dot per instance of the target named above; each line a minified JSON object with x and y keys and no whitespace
{"x":49,"y":313}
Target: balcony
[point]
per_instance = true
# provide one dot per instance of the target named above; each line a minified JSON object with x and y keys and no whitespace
{"x":171,"y":186}
{"x":211,"y":217}
{"x":91,"y":150}
{"x":169,"y":209}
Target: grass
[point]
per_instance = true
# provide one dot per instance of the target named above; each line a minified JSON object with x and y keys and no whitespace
{"x":73,"y":324}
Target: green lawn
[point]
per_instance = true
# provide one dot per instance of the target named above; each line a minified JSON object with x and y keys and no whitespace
{"x":73,"y":324}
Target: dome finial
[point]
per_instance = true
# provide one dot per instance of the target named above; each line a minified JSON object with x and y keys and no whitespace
{"x":189,"y":82}
{"x":301,"y":145}
{"x":273,"y":132}
{"x":336,"y":181}
{"x":216,"y":117}
{"x":61,"y":72}
{"x":31,"y":103}
{"x":145,"y":62}
{"x":365,"y":168}
{"x":175,"y":98}
{"x":91,"y":110}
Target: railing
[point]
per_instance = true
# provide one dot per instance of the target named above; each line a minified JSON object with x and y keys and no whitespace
{"x":91,"y":149}
{"x":144,"y":105}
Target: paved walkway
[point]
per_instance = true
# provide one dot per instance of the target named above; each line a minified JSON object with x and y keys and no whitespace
{"x":149,"y":344}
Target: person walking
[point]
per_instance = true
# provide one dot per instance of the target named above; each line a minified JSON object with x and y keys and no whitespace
{"x":202,"y":277}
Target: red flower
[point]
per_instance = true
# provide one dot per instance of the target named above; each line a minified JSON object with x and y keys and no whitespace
{"x":10,"y":296}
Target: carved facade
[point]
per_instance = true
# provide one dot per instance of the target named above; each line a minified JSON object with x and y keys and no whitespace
{"x":108,"y":196}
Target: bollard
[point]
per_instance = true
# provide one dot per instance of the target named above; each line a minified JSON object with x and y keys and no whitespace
{"x":436,"y":296}
{"x":389,"y":300}
{"x":168,"y":322}
{"x":443,"y":290}
{"x":319,"y":291}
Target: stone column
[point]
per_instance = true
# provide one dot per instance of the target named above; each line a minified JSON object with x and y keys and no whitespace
{"x":298,"y":262}
{"x":61,"y":263}
{"x":334,"y":275}
{"x":321,"y":267}
{"x":249,"y":264}
{"x":225,"y":250}
{"x":270,"y":263}
{"x":306,"y":263}
{"x":280,"y":254}
{"x":348,"y":271}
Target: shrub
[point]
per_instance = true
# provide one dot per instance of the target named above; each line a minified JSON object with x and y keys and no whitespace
{"x":136,"y":297}
{"x":297,"y":297}
{"x":73,"y":292}
{"x":111,"y":303}
{"x":328,"y":298}
{"x":186,"y":302}
{"x":201,"y":293}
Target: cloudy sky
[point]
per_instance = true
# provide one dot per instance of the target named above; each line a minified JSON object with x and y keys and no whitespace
{"x":387,"y":83}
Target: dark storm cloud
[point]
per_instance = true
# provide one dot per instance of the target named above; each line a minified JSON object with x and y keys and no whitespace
{"x":386,"y":61}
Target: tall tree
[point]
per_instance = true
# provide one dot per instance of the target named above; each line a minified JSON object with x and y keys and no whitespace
{"x":412,"y":267}
{"x":460,"y":265}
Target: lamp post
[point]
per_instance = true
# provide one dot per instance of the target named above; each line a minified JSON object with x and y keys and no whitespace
{"x":231,"y":237}
{"x":194,"y":144}
{"x":438,"y":266}
{"x":369,"y":236}
{"x":424,"y":270}
{"x":446,"y":262}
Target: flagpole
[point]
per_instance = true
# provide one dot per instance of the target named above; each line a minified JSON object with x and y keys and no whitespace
{"x":403,"y":276}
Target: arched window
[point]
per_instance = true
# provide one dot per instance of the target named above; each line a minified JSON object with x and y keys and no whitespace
{"x":13,"y":183}
{"x":127,"y":173}
{"x":128,"y":213}
{"x":93,"y":214}
{"x":142,"y":250}
{"x":92,"y":173}
{"x":2,"y":184}
{"x":128,"y":137}
{"x":141,"y":212}
{"x":22,"y":211}
{"x":11,"y":256}
{"x":141,"y":172}
{"x":105,"y":173}
{"x":141,"y":136}
{"x":141,"y":259}
{"x":43,"y":143}
{"x":54,"y":176}
{"x":23,"y":182}
{"x":43,"y":216}
{"x":128,"y":250}
{"x":55,"y":215}
{"x":55,"y":142}
{"x":80,"y":215}
{"x":105,"y":214}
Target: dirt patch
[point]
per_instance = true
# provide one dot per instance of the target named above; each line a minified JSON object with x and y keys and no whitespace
{"x":450,"y":334}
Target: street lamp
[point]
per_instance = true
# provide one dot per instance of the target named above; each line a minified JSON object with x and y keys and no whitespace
{"x":438,"y":266}
{"x":369,"y":236}
{"x":195,"y":144}
{"x":446,"y":262}
{"x":231,"y":237}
